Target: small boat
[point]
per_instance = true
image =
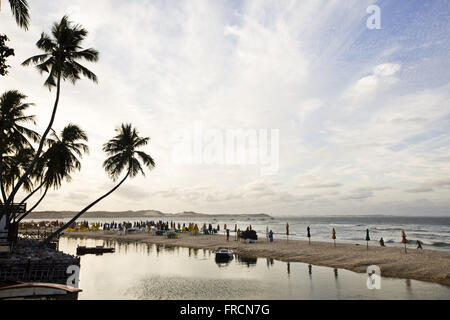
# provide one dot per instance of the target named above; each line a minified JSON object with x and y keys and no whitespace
{"x":38,"y":291}
{"x":224,"y":254}
{"x":81,"y":250}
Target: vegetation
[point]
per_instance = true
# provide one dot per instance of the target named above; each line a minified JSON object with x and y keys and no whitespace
{"x":34,"y":163}
{"x":123,"y":154}
{"x":19,"y":9}
{"x":5,"y":52}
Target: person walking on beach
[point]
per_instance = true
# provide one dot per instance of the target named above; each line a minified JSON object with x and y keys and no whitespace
{"x":382,"y":242}
{"x":419,"y":245}
{"x":228,"y":234}
{"x":271,"y":236}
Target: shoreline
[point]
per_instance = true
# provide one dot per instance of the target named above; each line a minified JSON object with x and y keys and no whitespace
{"x":424,"y":265}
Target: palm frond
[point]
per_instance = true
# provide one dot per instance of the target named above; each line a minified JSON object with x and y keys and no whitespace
{"x":19,"y":9}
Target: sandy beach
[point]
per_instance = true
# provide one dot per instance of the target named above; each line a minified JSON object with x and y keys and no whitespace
{"x":424,"y":265}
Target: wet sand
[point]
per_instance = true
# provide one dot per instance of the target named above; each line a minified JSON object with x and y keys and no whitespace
{"x":424,"y":265}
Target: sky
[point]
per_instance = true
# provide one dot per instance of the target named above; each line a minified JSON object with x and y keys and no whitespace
{"x":359,"y":117}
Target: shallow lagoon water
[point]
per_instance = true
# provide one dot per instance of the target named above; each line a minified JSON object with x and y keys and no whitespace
{"x":147,"y":271}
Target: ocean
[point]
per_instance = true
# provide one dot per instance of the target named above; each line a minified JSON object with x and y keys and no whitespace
{"x":434,"y":232}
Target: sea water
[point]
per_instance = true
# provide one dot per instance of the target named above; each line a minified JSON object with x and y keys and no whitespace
{"x":433,"y":232}
{"x":149,"y":271}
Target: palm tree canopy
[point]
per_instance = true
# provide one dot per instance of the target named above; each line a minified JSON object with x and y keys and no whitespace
{"x":19,"y":9}
{"x":123,"y":153}
{"x":14,"y":164}
{"x":63,"y":155}
{"x":62,"y":50}
{"x":12,"y":116}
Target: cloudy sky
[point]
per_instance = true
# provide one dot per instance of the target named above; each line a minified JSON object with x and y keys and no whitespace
{"x":363,"y":114}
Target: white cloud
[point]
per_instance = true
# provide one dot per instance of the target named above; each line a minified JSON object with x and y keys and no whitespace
{"x":354,"y":114}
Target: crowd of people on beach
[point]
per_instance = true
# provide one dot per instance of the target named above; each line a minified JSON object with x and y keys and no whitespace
{"x":160,"y":227}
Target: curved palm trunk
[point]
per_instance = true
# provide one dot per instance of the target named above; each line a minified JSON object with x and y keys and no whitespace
{"x":34,"y":207}
{"x":41,"y":145}
{"x":54,"y":234}
{"x":4,"y":198}
{"x":33,"y":192}
{"x":29,"y":196}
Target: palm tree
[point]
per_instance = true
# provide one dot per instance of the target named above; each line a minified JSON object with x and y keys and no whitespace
{"x":15,"y":139}
{"x":12,"y":118}
{"x":123,"y":154}
{"x":19,"y":9}
{"x":13,"y":167}
{"x":59,"y":60}
{"x":60,"y":160}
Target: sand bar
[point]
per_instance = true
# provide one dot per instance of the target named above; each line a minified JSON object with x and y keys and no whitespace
{"x":425,"y":265}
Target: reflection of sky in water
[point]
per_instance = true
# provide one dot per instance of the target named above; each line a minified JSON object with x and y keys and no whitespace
{"x":141,"y":271}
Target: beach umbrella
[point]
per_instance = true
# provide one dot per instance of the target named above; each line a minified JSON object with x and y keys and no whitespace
{"x":308,"y":234}
{"x":333,"y":236}
{"x":287,"y":231}
{"x":367,"y":238}
{"x":404,"y":240}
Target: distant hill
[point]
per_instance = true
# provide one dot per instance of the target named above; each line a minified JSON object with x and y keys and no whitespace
{"x":95,"y":214}
{"x":135,"y":214}
{"x":189,"y":214}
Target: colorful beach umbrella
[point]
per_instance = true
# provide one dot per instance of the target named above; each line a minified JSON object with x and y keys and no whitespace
{"x":333,"y":236}
{"x":367,"y":238}
{"x":404,"y":240}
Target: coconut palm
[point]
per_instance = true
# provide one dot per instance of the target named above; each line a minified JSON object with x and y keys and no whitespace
{"x":60,"y":59}
{"x":13,"y":167}
{"x":60,"y":160}
{"x":123,"y":155}
{"x":13,"y":119}
{"x":19,"y":9}
{"x":15,"y":139}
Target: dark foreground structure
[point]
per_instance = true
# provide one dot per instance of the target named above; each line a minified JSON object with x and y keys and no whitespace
{"x":30,"y":262}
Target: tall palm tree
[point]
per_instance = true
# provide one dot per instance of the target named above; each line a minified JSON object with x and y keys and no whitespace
{"x":13,"y":167}
{"x":15,"y":139}
{"x":61,"y":53}
{"x":60,"y":159}
{"x":123,"y":154}
{"x":19,"y":9}
{"x":12,"y":120}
